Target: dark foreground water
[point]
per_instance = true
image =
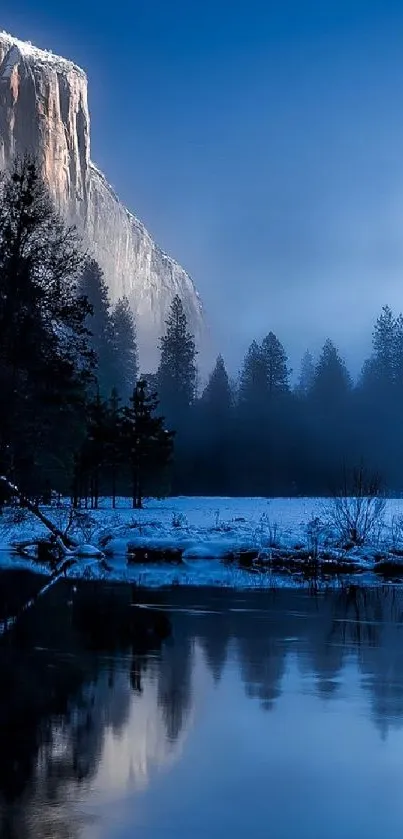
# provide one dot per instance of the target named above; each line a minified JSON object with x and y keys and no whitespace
{"x":264,"y":715}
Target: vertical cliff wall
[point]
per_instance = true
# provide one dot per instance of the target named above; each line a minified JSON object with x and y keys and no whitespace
{"x":44,"y":110}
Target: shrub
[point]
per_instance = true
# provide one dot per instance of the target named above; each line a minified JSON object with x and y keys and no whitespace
{"x":314,"y":530}
{"x":179,"y":520}
{"x":356,"y":513}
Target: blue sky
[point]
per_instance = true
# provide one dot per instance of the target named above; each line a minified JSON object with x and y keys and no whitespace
{"x":261,"y":143}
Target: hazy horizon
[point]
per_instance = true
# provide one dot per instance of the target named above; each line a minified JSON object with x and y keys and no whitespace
{"x":262,"y":148}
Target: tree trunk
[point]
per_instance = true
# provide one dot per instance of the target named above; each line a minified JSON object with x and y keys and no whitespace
{"x":136,"y":488}
{"x":113,"y":486}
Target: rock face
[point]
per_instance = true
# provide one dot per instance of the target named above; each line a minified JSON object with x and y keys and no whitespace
{"x":44,"y":111}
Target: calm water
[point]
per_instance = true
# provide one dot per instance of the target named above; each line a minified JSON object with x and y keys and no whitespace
{"x":264,"y":715}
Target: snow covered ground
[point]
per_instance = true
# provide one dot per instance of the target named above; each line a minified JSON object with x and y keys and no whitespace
{"x":208,"y":532}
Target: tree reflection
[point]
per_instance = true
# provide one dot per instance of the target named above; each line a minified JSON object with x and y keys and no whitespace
{"x":74,"y":714}
{"x":174,"y":685}
{"x":323,"y":631}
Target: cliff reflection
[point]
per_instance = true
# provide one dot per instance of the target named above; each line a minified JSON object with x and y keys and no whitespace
{"x":72,"y":715}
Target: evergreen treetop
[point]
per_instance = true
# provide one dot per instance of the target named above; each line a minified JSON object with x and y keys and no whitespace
{"x":100,"y":325}
{"x":176,"y":375}
{"x":146,"y":444}
{"x":252,"y":384}
{"x":307,"y":374}
{"x":276,"y":365}
{"x":125,"y":347}
{"x":217,"y":396}
{"x":332,"y":380}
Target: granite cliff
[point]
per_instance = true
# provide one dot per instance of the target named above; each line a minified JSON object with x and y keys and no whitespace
{"x":44,"y":111}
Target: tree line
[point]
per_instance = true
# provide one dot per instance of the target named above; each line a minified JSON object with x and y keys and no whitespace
{"x":78,"y":417}
{"x":265,"y":435}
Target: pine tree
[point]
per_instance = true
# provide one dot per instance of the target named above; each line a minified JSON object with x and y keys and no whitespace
{"x":307,"y":375}
{"x":214,"y":426}
{"x":146,"y":445}
{"x":332,"y":381}
{"x":398,"y":360}
{"x":253,"y":378}
{"x":217,"y":397}
{"x":384,"y":347}
{"x":100,"y":325}
{"x":176,"y":375}
{"x":113,"y":442}
{"x":380,"y":398}
{"x":250,"y":422}
{"x":383,"y":371}
{"x":92,"y":457}
{"x":275,"y":362}
{"x":45,"y":361}
{"x":125,"y":345}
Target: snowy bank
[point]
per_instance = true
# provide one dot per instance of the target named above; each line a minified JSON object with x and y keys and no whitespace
{"x":238,"y":542}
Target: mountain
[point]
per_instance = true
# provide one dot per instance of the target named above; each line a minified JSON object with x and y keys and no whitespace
{"x":44,"y":111}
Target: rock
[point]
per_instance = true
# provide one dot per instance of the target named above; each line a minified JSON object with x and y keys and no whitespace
{"x":244,"y":557}
{"x":390,"y":566}
{"x":145,"y":556}
{"x":88,"y":552}
{"x":47,"y":552}
{"x":44,"y":111}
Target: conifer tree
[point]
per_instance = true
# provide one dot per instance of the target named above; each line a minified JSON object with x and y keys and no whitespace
{"x":384,"y":347}
{"x":214,"y":423}
{"x":383,"y":371}
{"x":330,"y":444}
{"x":146,"y":445}
{"x":92,"y":458}
{"x":332,"y":381}
{"x":45,"y":360}
{"x":307,"y":375}
{"x":380,"y":398}
{"x":398,"y":361}
{"x":100,"y":325}
{"x":217,"y":397}
{"x":253,"y":380}
{"x":250,"y":425}
{"x":176,"y":375}
{"x":275,"y":363}
{"x":125,"y":346}
{"x":114,"y":453}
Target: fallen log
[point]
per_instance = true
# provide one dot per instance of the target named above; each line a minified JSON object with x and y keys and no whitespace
{"x":62,"y":539}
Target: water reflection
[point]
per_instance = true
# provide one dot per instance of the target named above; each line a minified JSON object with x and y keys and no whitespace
{"x":238,"y":692}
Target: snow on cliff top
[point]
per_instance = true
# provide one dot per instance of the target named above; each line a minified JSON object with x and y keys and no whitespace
{"x":28,"y":51}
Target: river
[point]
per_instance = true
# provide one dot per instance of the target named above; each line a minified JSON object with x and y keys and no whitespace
{"x":262,"y":714}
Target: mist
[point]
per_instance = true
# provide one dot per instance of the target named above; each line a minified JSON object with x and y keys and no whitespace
{"x":280,"y":189}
